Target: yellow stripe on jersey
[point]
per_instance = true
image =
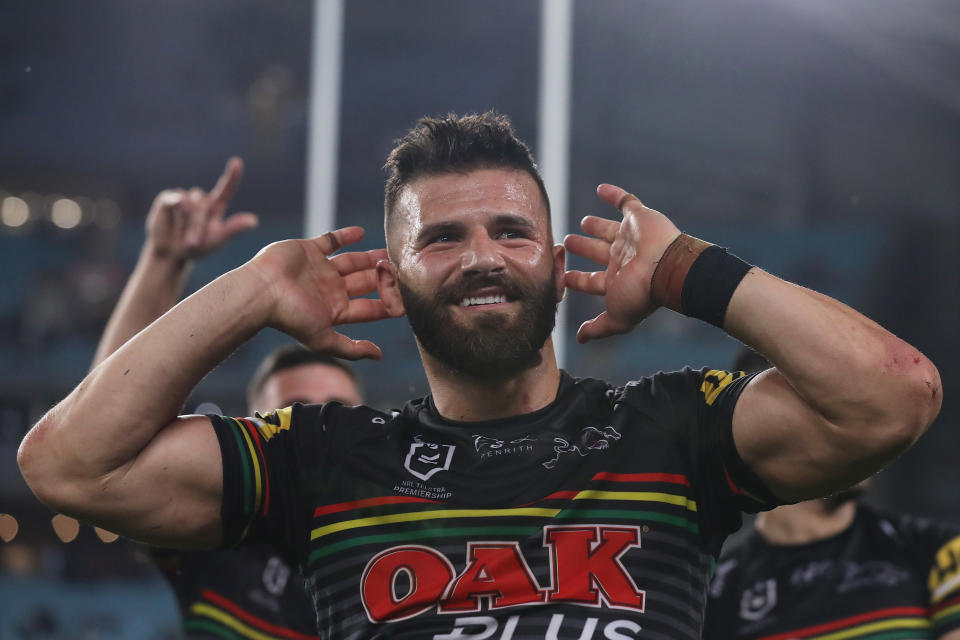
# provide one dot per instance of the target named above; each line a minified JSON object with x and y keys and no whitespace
{"x":864,"y":630}
{"x":943,"y":613}
{"x":716,"y":381}
{"x":431,"y":515}
{"x":255,"y":463}
{"x":227,"y":620}
{"x":643,"y":496}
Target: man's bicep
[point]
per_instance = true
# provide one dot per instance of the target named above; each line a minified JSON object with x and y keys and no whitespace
{"x":795,"y":451}
{"x":170,"y":494}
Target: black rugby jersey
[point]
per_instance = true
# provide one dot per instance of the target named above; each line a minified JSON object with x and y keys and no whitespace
{"x":598,"y":516}
{"x":247,"y":592}
{"x":883,"y":578}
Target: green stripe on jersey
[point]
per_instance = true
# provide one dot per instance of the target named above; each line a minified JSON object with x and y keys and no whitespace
{"x":206,"y":626}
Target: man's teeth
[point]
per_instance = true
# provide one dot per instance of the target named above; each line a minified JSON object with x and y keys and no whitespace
{"x":469,"y":302}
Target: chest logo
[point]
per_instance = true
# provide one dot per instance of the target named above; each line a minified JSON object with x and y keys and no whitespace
{"x":589,"y":441}
{"x":488,"y":447}
{"x":275,"y":576}
{"x":757,"y":601}
{"x":424,"y":459}
{"x":585,"y":569}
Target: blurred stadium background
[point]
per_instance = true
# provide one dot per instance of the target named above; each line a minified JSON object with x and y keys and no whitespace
{"x":818,"y":139}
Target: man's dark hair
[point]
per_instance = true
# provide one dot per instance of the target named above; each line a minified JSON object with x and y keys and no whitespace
{"x":456,"y":144}
{"x":290,"y":356}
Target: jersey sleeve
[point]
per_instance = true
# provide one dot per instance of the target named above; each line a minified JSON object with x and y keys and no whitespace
{"x":936,"y":547}
{"x":265,"y":460}
{"x":698,"y":406}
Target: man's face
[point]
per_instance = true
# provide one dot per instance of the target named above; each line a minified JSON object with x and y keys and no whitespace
{"x":312,"y":383}
{"x":476,"y":271}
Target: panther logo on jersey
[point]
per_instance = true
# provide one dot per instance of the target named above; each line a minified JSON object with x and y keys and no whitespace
{"x":591,"y":439}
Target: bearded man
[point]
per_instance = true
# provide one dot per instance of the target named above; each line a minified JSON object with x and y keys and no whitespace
{"x":515,"y":501}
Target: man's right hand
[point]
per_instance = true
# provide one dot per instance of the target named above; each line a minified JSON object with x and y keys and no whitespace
{"x":185,"y":225}
{"x":313,"y":290}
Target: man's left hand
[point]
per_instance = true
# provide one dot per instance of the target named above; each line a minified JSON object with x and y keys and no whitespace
{"x":630,"y":249}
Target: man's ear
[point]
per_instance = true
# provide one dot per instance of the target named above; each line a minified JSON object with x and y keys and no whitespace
{"x":388,"y":287}
{"x":560,"y":269}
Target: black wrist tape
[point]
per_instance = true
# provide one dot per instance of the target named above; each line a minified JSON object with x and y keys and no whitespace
{"x":710,"y":283}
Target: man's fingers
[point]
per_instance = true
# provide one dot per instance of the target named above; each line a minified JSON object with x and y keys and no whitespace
{"x":603,"y":228}
{"x":332,"y":241}
{"x":600,"y":327}
{"x":592,"y":282}
{"x":239,"y":222}
{"x":363,"y":310}
{"x":196,"y":218}
{"x":339,"y":345}
{"x":228,"y":183}
{"x":614,"y":195}
{"x":360,"y":283}
{"x":170,"y":198}
{"x":352,"y":261}
{"x":593,"y":249}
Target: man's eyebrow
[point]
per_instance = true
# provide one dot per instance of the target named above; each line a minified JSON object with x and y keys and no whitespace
{"x":439,"y":227}
{"x":507,"y":219}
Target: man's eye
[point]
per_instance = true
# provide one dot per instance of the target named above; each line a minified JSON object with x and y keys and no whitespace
{"x":508,"y":234}
{"x":442,"y":237}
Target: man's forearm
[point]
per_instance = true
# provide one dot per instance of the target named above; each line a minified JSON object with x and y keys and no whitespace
{"x":122,"y":404}
{"x":153,"y":288}
{"x":843,"y":365}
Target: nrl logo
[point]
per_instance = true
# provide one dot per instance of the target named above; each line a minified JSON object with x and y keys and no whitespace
{"x":426,"y":458}
{"x":757,"y":601}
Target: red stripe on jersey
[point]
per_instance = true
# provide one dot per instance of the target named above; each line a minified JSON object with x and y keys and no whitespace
{"x":733,"y":487}
{"x":559,"y":495}
{"x":367,"y":502}
{"x":673,"y":478}
{"x":945,"y":604}
{"x":266,"y":476}
{"x":849,"y":622}
{"x":249,"y":618}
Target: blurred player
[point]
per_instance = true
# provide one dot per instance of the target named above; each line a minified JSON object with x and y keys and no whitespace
{"x":249,"y":591}
{"x":836,"y":568}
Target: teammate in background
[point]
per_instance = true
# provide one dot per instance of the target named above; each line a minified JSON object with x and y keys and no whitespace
{"x":249,"y":591}
{"x":836,"y":568}
{"x":515,"y":501}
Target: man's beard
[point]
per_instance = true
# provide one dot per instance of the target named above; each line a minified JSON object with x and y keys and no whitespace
{"x":494,"y":346}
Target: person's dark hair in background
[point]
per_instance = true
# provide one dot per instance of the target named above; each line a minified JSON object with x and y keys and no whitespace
{"x":289,"y":357}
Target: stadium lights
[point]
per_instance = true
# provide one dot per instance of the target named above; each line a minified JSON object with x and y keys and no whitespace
{"x":66,"y":213}
{"x":14,"y":211}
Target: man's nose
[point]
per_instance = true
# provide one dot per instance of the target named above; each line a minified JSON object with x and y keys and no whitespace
{"x":482,"y":254}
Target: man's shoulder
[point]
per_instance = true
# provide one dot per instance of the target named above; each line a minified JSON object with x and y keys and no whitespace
{"x":656,"y":383}
{"x":907,"y":529}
